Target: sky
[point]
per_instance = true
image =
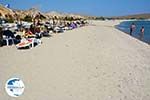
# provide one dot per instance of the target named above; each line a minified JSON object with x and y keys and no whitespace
{"x":85,"y":7}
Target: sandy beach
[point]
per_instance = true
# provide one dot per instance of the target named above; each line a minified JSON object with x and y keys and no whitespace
{"x":95,"y":62}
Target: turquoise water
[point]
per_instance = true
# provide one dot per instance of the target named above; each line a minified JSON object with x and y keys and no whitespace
{"x":125,"y":27}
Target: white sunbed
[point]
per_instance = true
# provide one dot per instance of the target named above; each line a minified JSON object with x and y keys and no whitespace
{"x":28,"y":43}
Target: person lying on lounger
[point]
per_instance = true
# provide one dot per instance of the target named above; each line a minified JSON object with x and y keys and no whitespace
{"x":28,"y":34}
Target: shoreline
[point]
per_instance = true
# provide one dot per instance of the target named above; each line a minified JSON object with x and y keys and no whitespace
{"x":136,"y":37}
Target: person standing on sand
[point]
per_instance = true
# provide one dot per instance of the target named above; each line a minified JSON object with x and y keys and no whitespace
{"x":142,"y":33}
{"x":132,"y":28}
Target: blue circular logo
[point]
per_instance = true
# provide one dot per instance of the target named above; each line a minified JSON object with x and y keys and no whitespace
{"x":14,"y":87}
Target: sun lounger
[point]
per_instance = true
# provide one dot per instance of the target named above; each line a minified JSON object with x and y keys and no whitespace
{"x":28,"y":43}
{"x":8,"y":41}
{"x":58,"y":30}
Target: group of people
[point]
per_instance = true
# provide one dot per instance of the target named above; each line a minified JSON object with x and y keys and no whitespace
{"x":1,"y":37}
{"x":132,"y":29}
{"x":36,"y":31}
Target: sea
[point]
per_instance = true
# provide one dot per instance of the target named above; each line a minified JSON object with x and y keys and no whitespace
{"x":125,"y":27}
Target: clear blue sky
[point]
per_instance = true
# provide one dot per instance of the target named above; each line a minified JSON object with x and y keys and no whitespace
{"x":88,"y":7}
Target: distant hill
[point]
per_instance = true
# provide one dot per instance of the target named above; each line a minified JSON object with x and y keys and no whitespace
{"x":136,"y":16}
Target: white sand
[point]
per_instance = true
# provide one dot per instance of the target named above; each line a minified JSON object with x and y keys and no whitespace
{"x":90,"y":63}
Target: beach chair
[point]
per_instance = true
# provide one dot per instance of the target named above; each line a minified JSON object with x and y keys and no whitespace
{"x":28,"y":43}
{"x":8,"y":41}
{"x":58,"y":30}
